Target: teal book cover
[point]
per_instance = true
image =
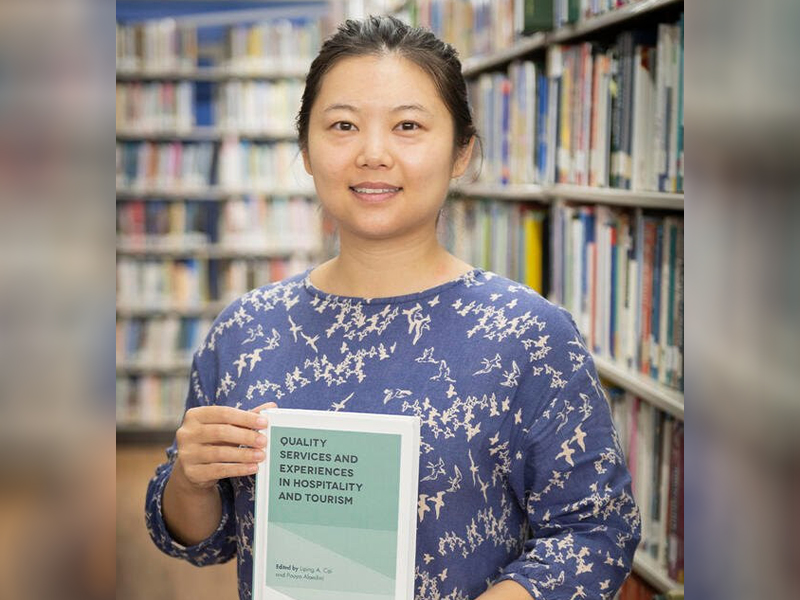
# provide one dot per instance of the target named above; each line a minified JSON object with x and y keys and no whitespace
{"x":335,"y":507}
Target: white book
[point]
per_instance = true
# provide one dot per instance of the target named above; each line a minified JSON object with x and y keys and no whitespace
{"x":664,"y":305}
{"x":643,"y":109}
{"x":335,"y":507}
{"x":666,"y":447}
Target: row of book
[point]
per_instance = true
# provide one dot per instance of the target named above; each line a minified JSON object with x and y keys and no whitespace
{"x":652,"y":442}
{"x":479,"y":27}
{"x":510,"y":112}
{"x":231,"y":164}
{"x":167,"y":45}
{"x":620,"y":274}
{"x":473,"y":27}
{"x":193,"y":283}
{"x":279,"y":224}
{"x":248,"y":106}
{"x":567,"y":12}
{"x":156,"y":107}
{"x":507,"y":238}
{"x":151,"y":400}
{"x":161,"y":342}
{"x":620,"y":111}
{"x":594,"y":116}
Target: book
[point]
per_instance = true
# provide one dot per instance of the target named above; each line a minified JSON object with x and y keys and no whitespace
{"x":538,"y":16}
{"x":335,"y":507}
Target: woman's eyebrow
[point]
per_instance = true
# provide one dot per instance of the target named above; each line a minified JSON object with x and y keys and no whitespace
{"x":400,"y":108}
{"x":415,"y":107}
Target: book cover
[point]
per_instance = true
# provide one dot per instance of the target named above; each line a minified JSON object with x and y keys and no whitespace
{"x":335,"y":507}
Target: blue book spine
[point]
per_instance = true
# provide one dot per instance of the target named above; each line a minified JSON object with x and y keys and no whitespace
{"x":655,"y":315}
{"x":614,"y":283}
{"x":505,"y":94}
{"x":587,"y":219}
{"x":638,"y":252}
{"x":541,"y":127}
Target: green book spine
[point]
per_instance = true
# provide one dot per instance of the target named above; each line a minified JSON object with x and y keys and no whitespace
{"x":538,"y":16}
{"x":573,"y":11}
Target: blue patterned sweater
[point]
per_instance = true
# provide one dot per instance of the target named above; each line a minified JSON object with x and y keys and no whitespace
{"x":521,"y":473}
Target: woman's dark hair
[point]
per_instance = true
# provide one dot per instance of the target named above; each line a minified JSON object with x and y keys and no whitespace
{"x":380,"y":35}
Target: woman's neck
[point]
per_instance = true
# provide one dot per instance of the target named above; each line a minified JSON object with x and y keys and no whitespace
{"x":381,"y":269}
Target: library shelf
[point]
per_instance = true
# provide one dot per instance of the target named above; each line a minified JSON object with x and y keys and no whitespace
{"x":152,"y":368}
{"x":475,"y":65}
{"x":211,"y":193}
{"x":208,"y":309}
{"x":206,"y":251}
{"x":296,"y":71}
{"x":161,"y":433}
{"x":546,"y":193}
{"x":657,"y":394}
{"x":655,"y":576}
{"x":204,"y":134}
{"x":632,"y":198}
{"x":530,"y":192}
{"x":609,"y":19}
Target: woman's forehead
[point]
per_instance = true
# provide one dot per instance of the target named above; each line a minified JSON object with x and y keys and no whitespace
{"x":389,"y":82}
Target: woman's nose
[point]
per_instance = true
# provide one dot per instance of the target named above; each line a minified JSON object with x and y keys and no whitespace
{"x":375,"y":152}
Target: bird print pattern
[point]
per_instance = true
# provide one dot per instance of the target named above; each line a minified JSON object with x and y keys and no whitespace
{"x":521,"y":473}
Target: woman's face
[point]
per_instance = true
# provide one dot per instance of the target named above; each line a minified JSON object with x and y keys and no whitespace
{"x":380,"y":148}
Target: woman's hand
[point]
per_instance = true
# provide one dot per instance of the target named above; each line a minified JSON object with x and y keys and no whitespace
{"x":215,"y":442}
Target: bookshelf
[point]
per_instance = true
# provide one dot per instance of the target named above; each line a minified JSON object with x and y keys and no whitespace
{"x":549,"y":193}
{"x":212,"y":199}
{"x":494,"y":75}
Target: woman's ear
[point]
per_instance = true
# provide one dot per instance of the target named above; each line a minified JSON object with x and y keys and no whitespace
{"x":306,"y":162}
{"x":462,"y":159}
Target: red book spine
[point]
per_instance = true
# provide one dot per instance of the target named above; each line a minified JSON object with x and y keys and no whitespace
{"x":675,"y":511}
{"x":647,"y":294}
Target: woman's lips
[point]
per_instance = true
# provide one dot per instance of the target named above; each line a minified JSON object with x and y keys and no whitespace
{"x":375,"y":194}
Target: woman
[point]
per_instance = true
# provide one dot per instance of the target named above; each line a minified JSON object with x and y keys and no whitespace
{"x":523,"y":490}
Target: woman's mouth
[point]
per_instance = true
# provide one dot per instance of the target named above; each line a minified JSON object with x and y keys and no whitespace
{"x":375,"y":193}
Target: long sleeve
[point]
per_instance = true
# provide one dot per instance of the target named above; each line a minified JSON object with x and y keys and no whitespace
{"x":220,"y":546}
{"x":575,"y":488}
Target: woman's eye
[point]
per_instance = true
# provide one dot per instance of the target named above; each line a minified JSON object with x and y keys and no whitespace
{"x":343,"y":126}
{"x":408,"y":126}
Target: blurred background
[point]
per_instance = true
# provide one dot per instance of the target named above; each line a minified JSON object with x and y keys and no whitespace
{"x":73,"y":483}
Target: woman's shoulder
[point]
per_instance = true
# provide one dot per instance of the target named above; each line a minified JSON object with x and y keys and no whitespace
{"x":252,"y":309}
{"x":511,"y":299}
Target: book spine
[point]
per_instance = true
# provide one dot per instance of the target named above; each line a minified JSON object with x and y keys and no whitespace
{"x":655,"y":318}
{"x":675,"y":525}
{"x":648,"y":246}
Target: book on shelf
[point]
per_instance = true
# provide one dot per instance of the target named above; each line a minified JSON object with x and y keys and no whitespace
{"x":510,"y":111}
{"x":250,"y":222}
{"x":193,"y":283}
{"x":266,"y":107}
{"x":158,"y":342}
{"x":167,"y":46}
{"x":335,"y":506}
{"x":616,"y":123}
{"x":507,"y":238}
{"x":232,"y":164}
{"x":652,"y":442}
{"x":538,"y":16}
{"x":151,"y":401}
{"x":272,"y":45}
{"x":620,"y":272}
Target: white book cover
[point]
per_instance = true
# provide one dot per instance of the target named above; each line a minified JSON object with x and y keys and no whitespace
{"x":335,"y":507}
